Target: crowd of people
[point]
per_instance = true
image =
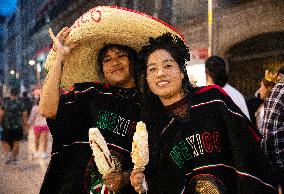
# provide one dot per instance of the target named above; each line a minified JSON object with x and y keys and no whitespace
{"x":201,"y":139}
{"x":19,"y":118}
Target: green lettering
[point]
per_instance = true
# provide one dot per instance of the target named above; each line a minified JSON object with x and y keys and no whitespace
{"x":112,"y":121}
{"x":106,"y":120}
{"x":177,"y":156}
{"x":185,"y":150}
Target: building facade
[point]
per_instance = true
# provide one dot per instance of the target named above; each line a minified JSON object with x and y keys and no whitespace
{"x":247,"y":33}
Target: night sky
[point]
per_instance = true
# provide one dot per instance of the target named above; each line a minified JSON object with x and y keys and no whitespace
{"x":7,"y":7}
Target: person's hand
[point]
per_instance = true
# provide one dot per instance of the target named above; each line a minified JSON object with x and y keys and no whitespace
{"x":115,"y":180}
{"x":59,"y":45}
{"x":137,"y":176}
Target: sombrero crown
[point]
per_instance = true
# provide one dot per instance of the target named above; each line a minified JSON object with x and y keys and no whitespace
{"x":101,"y":26}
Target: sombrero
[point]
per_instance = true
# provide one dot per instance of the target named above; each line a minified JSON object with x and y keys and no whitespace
{"x":101,"y":26}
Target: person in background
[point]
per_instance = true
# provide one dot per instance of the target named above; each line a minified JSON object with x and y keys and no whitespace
{"x":13,"y":117}
{"x":199,"y":141}
{"x":253,"y":102}
{"x":28,"y":103}
{"x":40,"y":130}
{"x":217,"y":73}
{"x":273,"y":127}
{"x":266,"y":85}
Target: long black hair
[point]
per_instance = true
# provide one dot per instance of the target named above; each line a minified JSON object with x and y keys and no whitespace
{"x":152,"y":105}
{"x":132,"y":57}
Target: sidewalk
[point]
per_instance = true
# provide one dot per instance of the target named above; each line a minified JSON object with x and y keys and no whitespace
{"x":24,"y":177}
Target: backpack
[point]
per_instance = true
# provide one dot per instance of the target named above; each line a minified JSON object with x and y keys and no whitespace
{"x":13,"y":110}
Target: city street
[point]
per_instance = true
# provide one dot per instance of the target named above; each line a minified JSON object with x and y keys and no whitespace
{"x":23,"y":177}
{"x":205,"y":76}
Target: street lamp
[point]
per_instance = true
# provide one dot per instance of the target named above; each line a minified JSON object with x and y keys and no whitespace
{"x":31,"y":62}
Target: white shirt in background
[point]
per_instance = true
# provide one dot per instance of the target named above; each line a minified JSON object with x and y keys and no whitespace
{"x":259,"y":116}
{"x":238,"y":99}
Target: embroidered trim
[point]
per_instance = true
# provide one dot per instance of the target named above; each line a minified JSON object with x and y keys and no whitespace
{"x":71,"y":102}
{"x":90,"y":88}
{"x":116,"y":146}
{"x":66,"y":145}
{"x":213,"y":101}
{"x":54,"y":154}
{"x":167,"y":126}
{"x":214,"y":86}
{"x":107,"y":93}
{"x":86,"y":142}
{"x":254,"y":133}
{"x":76,"y":142}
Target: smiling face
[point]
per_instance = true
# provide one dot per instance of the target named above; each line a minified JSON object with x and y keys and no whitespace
{"x":116,"y":68}
{"x":164,"y":77}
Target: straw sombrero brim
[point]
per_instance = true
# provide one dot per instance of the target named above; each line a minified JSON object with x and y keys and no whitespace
{"x":101,"y":26}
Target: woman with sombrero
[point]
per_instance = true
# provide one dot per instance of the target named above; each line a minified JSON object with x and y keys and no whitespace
{"x":100,"y":47}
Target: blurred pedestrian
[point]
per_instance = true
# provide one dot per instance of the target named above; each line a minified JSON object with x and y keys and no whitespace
{"x":266,"y":85}
{"x":253,"y":103}
{"x":217,"y":73}
{"x":27,"y":101}
{"x":273,"y":127}
{"x":13,"y":117}
{"x":40,"y":130}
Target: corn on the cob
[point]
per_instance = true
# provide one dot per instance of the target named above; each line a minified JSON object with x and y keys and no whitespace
{"x":101,"y":152}
{"x":140,"y":150}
